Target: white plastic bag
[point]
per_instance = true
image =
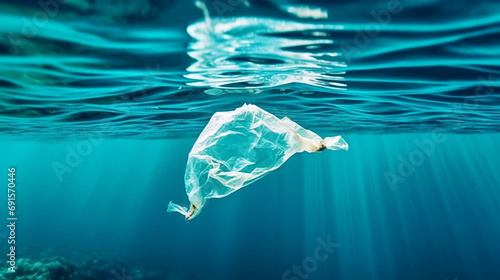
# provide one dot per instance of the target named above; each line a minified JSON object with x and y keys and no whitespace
{"x":238,"y":147}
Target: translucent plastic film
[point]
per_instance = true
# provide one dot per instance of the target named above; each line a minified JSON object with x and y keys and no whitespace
{"x":238,"y":147}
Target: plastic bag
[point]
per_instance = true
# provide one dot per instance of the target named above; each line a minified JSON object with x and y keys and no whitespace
{"x":236,"y":148}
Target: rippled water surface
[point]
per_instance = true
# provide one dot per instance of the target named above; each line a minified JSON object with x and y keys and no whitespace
{"x":162,"y":68}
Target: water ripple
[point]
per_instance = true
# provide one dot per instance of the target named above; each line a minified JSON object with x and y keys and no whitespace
{"x":134,"y":72}
{"x":252,"y":53}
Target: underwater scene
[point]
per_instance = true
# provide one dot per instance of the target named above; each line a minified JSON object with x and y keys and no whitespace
{"x":250,"y":139}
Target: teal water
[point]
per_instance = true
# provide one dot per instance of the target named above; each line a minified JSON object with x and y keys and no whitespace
{"x":440,"y":223}
{"x":101,"y":103}
{"x":152,"y":73}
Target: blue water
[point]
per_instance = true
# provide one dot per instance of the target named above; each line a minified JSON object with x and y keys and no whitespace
{"x":101,"y":101}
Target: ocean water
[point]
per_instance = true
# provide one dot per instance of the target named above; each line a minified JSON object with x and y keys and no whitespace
{"x":101,"y":102}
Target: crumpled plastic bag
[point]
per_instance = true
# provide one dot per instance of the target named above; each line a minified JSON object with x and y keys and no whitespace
{"x":238,"y":147}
